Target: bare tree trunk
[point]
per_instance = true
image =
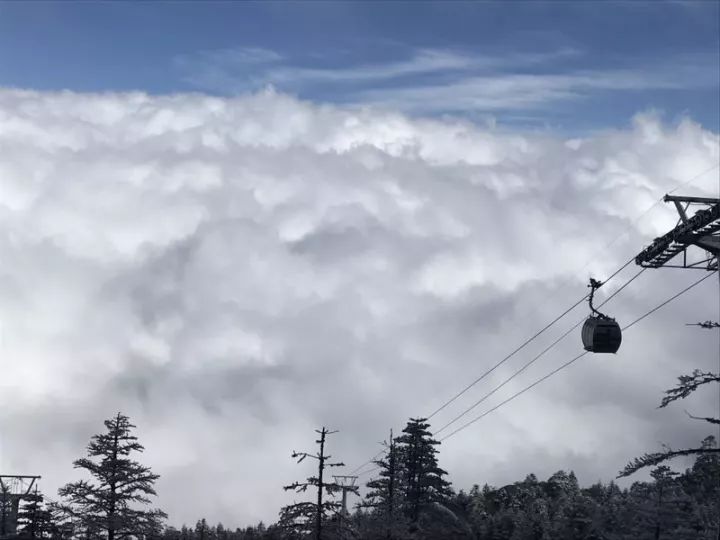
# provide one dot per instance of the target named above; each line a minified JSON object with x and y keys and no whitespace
{"x":321,"y":467}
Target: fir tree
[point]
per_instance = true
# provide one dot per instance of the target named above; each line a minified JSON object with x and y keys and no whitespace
{"x":665,"y":481}
{"x":35,"y":520}
{"x":221,"y":533}
{"x":421,"y":476}
{"x":108,"y":504}
{"x":202,"y":531}
{"x":687,"y":384}
{"x":383,"y":491}
{"x":385,"y":496}
{"x":186,"y":533}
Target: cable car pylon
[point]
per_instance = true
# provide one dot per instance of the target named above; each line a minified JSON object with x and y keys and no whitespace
{"x":700,"y":230}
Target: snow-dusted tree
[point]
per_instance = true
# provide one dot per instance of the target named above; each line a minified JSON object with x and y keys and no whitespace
{"x":687,"y":384}
{"x":110,"y":505}
{"x":421,"y":477}
{"x":702,"y":483}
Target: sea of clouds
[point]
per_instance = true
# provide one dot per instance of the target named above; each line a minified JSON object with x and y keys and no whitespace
{"x":236,"y":272}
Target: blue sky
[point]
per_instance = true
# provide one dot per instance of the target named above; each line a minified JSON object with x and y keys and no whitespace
{"x":550,"y":65}
{"x":196,"y":262}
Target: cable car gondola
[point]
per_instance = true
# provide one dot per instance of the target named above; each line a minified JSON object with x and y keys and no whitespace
{"x":600,"y":333}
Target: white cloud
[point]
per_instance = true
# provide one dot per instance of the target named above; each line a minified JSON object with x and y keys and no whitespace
{"x":238,"y":68}
{"x":461,"y":80}
{"x":237,"y":272}
{"x":518,"y":91}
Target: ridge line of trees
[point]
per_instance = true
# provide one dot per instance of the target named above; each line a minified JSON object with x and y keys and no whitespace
{"x":408,"y":499}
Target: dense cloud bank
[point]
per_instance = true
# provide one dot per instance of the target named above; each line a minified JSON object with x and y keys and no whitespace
{"x":233,"y":273}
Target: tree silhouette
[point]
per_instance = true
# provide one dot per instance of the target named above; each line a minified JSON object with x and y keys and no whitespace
{"x":421,"y":477}
{"x":300,"y":519}
{"x":35,"y":520}
{"x":109,"y":504}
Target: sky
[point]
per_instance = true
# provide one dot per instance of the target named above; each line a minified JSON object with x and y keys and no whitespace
{"x":239,"y":222}
{"x":545,"y":65}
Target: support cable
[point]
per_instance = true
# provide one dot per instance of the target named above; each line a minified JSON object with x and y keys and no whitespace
{"x":534,"y":359}
{"x":522,"y":346}
{"x":381,"y":452}
{"x":567,"y":364}
{"x":518,"y":349}
{"x":528,"y":341}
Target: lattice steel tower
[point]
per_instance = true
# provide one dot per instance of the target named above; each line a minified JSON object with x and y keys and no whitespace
{"x":13,"y":488}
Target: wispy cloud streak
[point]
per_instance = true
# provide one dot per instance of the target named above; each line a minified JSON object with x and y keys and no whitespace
{"x":434,"y":80}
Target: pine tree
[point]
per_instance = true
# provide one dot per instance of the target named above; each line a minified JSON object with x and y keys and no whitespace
{"x":202,"y":531}
{"x":186,"y":533}
{"x":687,"y":385}
{"x":665,"y":480}
{"x":612,"y":501}
{"x":301,"y":519}
{"x":221,"y":533}
{"x":421,"y":477}
{"x":702,"y":484}
{"x":34,"y":519}
{"x":108,"y":505}
{"x":383,"y":491}
{"x":385,"y":497}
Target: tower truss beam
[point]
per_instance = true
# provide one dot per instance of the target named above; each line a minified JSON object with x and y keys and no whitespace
{"x":699,"y":230}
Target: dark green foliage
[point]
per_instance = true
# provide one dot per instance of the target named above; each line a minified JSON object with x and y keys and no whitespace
{"x":258,"y":532}
{"x":695,"y":495}
{"x":677,"y":506}
{"x":384,"y":491}
{"x":687,"y":384}
{"x":680,"y":506}
{"x":420,"y":476}
{"x":110,"y":504}
{"x":409,"y":499}
{"x":409,"y":495}
{"x":384,"y":497}
{"x":298,"y":520}
{"x":35,"y":519}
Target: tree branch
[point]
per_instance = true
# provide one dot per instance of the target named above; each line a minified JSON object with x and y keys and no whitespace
{"x":655,"y":458}
{"x":687,"y":385}
{"x":706,"y":418}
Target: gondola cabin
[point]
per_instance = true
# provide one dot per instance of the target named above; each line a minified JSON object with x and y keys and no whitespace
{"x":601,"y":334}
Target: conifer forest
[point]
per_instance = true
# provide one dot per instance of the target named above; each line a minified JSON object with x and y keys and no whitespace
{"x":406,"y":497}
